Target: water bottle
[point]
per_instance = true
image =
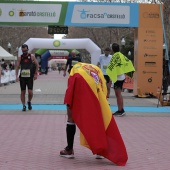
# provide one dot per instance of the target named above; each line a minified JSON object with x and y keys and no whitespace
{"x":158,"y":92}
{"x":158,"y":89}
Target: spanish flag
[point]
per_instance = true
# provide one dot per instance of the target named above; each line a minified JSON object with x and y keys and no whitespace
{"x":119,"y":64}
{"x":86,"y":95}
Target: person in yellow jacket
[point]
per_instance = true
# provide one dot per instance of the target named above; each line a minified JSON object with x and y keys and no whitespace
{"x":118,"y":66}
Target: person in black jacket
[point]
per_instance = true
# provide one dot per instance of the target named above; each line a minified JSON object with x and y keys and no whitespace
{"x":72,"y":60}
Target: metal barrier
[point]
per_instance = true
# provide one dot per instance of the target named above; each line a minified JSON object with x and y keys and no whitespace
{"x":7,"y":77}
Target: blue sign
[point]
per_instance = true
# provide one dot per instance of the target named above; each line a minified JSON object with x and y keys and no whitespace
{"x":105,"y":14}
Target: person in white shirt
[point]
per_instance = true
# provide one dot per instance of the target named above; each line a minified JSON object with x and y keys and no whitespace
{"x":103,"y":63}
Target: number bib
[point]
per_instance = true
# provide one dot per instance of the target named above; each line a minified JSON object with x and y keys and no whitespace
{"x":74,"y":62}
{"x":25,"y":73}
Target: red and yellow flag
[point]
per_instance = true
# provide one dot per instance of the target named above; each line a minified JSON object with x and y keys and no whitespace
{"x":86,"y":95}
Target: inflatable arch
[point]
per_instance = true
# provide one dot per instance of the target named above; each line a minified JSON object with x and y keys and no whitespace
{"x":62,"y":61}
{"x":82,"y":43}
{"x":54,"y":53}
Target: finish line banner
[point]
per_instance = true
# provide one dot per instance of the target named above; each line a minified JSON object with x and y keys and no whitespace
{"x":32,"y":13}
{"x":102,"y":14}
{"x":82,"y":14}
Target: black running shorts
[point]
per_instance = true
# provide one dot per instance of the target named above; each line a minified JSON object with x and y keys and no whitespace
{"x":26,"y":82}
{"x":107,"y":78}
{"x":118,"y":84}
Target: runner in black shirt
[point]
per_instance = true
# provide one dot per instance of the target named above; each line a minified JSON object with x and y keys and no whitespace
{"x":28,"y":73}
{"x":71,"y":62}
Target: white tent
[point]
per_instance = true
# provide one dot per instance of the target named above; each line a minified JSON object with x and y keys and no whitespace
{"x":5,"y":55}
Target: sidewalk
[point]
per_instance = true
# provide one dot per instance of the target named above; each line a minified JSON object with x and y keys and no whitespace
{"x":32,"y":140}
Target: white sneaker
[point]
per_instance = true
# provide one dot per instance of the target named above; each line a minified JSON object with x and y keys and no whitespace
{"x":164,"y":99}
{"x":99,"y":157}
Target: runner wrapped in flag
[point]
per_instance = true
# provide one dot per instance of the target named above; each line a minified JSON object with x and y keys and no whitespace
{"x":86,"y":97}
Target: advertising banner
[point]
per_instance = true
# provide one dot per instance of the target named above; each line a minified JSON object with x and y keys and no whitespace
{"x":33,"y":13}
{"x":148,"y":50}
{"x":102,"y":14}
{"x":44,"y":13}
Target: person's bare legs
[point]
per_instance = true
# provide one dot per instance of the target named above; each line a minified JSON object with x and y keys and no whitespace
{"x":118,"y":93}
{"x":30,"y":95}
{"x":22,"y":96}
{"x":108,"y":89}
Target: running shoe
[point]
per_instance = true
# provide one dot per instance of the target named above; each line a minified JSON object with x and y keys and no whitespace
{"x":67,"y":153}
{"x":99,"y":157}
{"x":119,"y":113}
{"x":29,"y":106}
{"x":24,"y":108}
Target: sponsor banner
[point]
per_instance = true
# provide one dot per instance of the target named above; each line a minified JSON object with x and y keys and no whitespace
{"x":150,"y":16}
{"x":58,"y":53}
{"x":58,"y":57}
{"x":32,"y":13}
{"x":102,"y":14}
{"x":43,"y":13}
{"x":148,"y":50}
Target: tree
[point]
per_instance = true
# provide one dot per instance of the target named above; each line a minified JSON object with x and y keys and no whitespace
{"x":19,"y":35}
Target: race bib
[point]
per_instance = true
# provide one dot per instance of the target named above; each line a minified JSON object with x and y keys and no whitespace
{"x":104,"y":67}
{"x":25,"y":73}
{"x":74,"y":62}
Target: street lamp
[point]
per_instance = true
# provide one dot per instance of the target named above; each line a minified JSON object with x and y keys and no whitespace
{"x":129,"y":54}
{"x":164,"y":46}
{"x":9,"y":47}
{"x":16,"y":56}
{"x":123,"y":42}
{"x":16,"y":49}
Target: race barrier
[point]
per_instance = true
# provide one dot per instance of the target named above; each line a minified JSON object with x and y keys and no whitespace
{"x":8,"y":76}
{"x":128,"y":83}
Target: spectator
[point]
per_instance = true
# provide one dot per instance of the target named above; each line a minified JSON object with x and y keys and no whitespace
{"x":118,"y":66}
{"x":72,"y":60}
{"x":3,"y":64}
{"x":103,"y":63}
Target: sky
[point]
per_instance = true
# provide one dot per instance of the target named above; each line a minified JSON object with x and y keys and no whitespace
{"x":58,"y":36}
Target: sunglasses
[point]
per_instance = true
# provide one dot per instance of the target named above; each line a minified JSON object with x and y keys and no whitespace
{"x":24,"y":51}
